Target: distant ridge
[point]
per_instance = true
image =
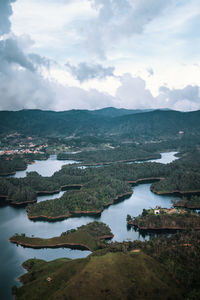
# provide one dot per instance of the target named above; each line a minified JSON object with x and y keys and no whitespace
{"x":107,"y":122}
{"x":116,"y":112}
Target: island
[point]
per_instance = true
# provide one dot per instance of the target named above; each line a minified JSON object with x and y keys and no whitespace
{"x":87,"y":237}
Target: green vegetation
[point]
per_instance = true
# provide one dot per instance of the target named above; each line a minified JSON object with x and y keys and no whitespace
{"x":110,"y":276}
{"x":191,"y":203}
{"x":145,"y":126}
{"x":184,"y":176}
{"x":163,"y":265}
{"x":164,"y":220}
{"x":92,"y":198}
{"x":180,"y":254}
{"x":12,"y":163}
{"x":13,"y":188}
{"x":9,"y":165}
{"x":122,"y":153}
{"x":88,"y":237}
{"x":100,"y":186}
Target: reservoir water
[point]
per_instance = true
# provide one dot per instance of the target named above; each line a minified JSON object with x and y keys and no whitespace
{"x":14,"y":220}
{"x":44,"y":167}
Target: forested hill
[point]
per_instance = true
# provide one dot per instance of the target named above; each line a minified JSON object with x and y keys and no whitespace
{"x":108,"y":122}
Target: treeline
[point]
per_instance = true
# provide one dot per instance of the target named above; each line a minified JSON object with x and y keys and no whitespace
{"x":9,"y":164}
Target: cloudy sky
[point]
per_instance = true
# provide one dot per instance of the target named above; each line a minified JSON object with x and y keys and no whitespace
{"x":89,"y":54}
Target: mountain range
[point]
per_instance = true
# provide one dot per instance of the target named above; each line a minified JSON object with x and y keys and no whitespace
{"x":108,"y":122}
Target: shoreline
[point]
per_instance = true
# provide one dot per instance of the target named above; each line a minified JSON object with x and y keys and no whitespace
{"x":39,"y":193}
{"x":145,"y":180}
{"x":144,"y":228}
{"x":22,"y":169}
{"x":187,"y":205}
{"x":176,"y":192}
{"x":75,"y":246}
{"x":113,"y":162}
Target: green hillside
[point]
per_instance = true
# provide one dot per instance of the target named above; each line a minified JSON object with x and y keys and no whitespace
{"x":112,"y":276}
{"x":109,"y":123}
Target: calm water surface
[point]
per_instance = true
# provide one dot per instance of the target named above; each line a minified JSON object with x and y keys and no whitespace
{"x":44,"y":167}
{"x":14,"y":220}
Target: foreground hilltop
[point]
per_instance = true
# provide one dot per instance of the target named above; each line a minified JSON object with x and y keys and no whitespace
{"x":132,"y":275}
{"x":164,"y":267}
{"x":109,"y":122}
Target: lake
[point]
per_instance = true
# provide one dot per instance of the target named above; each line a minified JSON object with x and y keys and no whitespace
{"x":14,"y":220}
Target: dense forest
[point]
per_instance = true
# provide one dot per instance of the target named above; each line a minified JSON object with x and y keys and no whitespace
{"x":184,"y":175}
{"x":92,"y":198}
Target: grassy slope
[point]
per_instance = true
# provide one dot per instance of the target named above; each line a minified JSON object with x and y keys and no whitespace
{"x":86,"y":235}
{"x":112,"y":276}
{"x":80,"y":238}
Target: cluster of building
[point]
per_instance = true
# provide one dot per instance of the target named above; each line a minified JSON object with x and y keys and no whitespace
{"x":158,"y":210}
{"x":30,"y":149}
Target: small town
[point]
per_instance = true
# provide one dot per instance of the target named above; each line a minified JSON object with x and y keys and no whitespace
{"x":14,"y":143}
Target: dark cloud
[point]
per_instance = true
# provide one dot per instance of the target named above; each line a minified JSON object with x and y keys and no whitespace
{"x":5,"y":13}
{"x":84,"y":71}
{"x":38,"y":60}
{"x":21,"y":86}
{"x":24,"y":89}
{"x":11,"y":53}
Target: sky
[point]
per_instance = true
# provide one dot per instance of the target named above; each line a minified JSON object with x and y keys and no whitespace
{"x":90,"y":54}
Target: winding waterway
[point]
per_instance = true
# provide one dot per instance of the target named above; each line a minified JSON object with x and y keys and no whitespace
{"x":14,"y":220}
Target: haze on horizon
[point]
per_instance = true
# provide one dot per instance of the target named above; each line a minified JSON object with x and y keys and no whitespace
{"x":90,"y":54}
